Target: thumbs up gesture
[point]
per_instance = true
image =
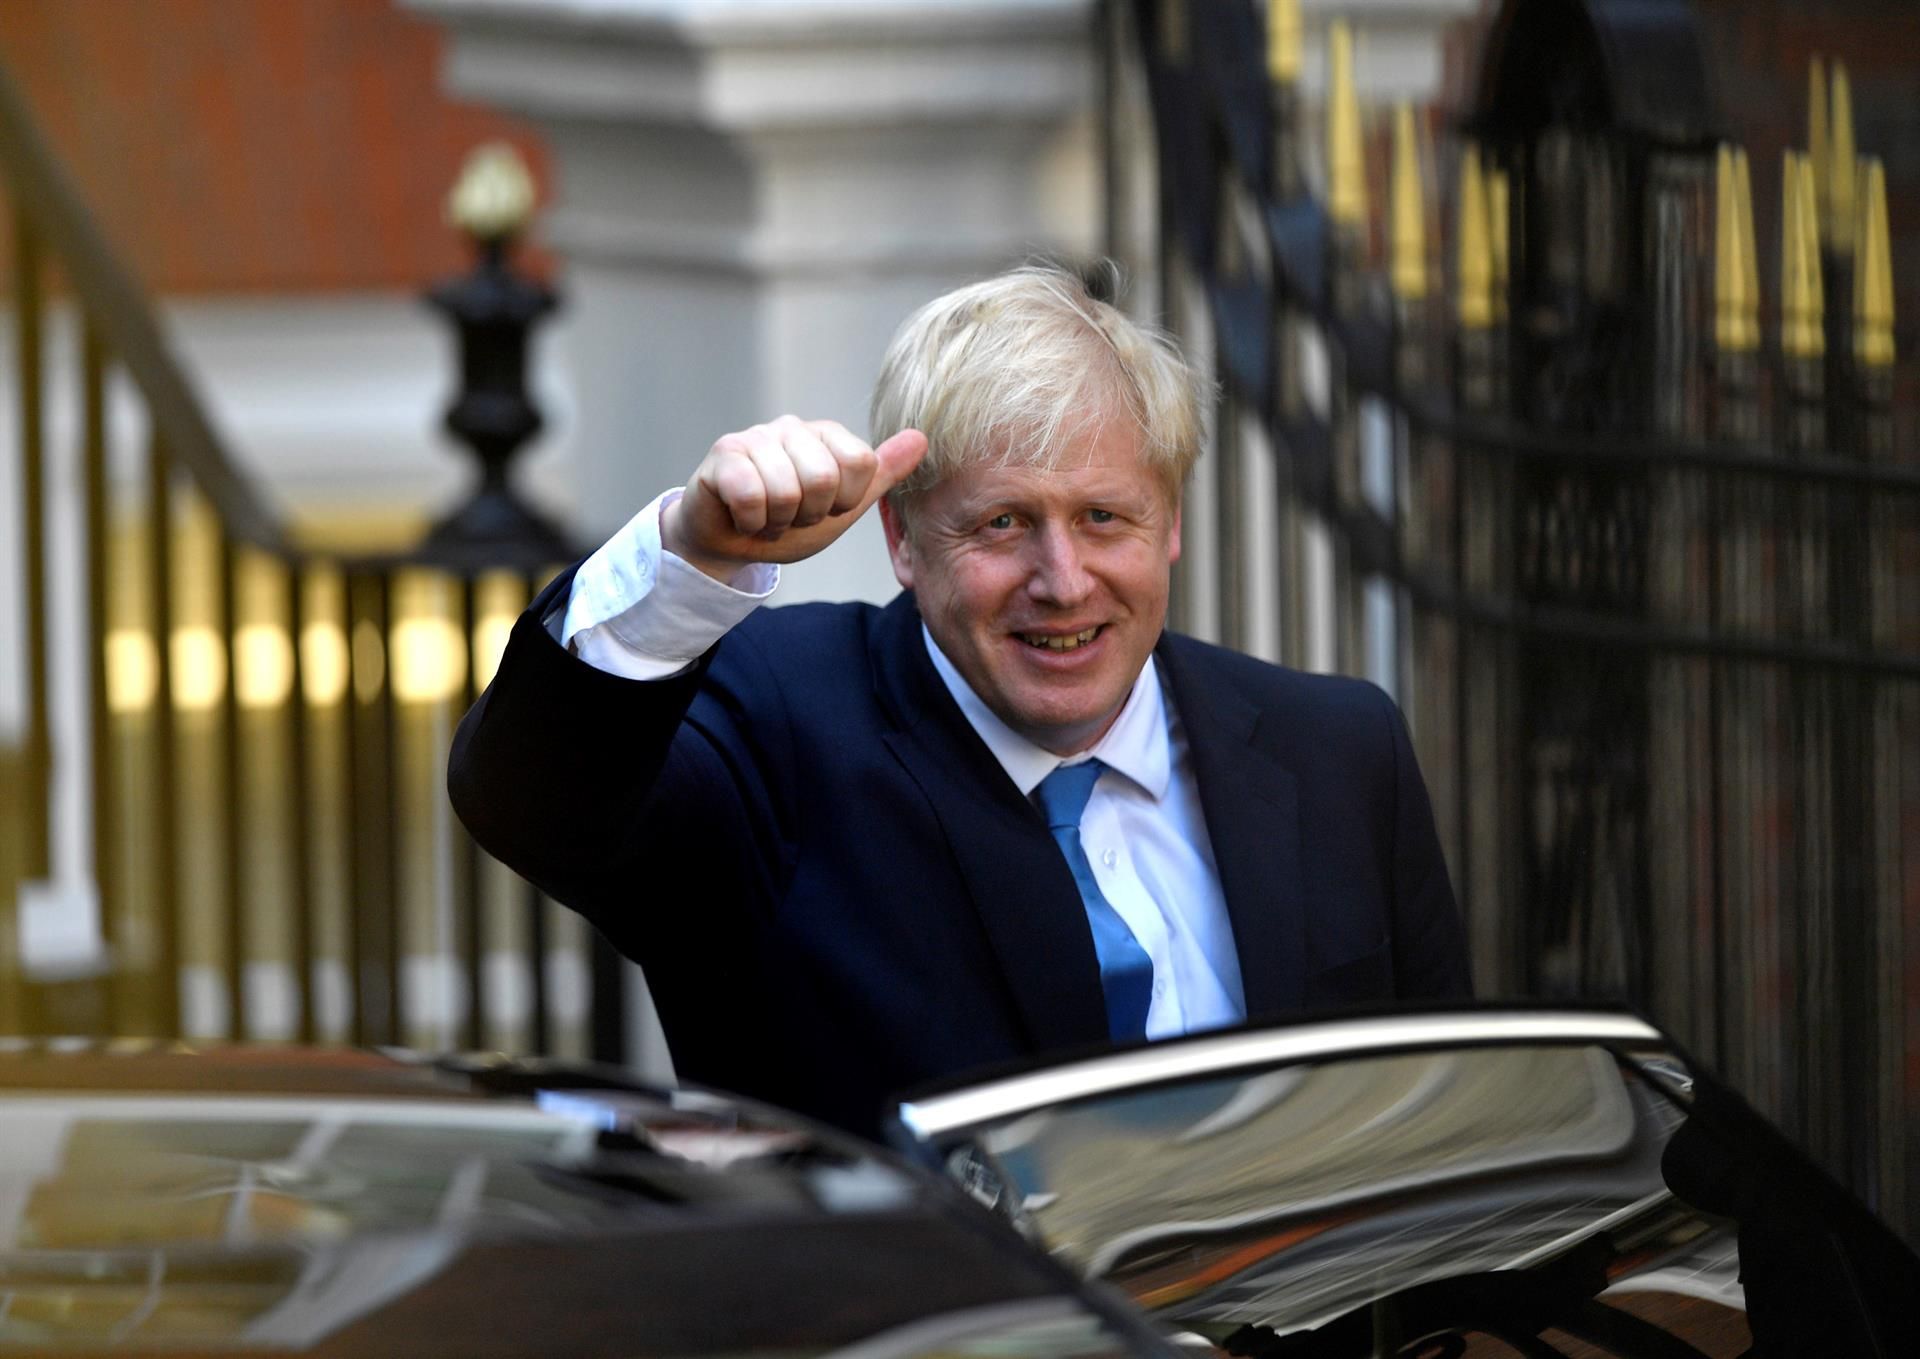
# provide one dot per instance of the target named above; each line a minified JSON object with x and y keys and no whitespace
{"x":781,"y":492}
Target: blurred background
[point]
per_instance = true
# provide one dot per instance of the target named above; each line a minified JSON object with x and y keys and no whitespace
{"x":1566,"y":388}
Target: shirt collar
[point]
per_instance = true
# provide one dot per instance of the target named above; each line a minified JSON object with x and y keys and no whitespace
{"x":1136,"y":745}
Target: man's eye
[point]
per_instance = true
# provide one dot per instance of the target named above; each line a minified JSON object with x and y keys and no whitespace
{"x":1100,"y":516}
{"x":1000,"y":521}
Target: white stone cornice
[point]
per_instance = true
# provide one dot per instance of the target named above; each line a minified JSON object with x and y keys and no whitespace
{"x":611,"y":238}
{"x":752,"y":87}
{"x":789,"y":21}
{"x":742,"y":65}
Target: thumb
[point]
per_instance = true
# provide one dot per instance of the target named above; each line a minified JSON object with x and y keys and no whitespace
{"x":898,"y":457}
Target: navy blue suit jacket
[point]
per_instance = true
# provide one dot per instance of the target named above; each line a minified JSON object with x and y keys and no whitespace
{"x":836,"y":892}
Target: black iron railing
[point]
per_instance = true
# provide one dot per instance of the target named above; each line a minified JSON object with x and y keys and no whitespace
{"x":264,"y":730}
{"x":1645,"y":580}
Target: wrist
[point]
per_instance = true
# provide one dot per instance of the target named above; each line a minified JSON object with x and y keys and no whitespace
{"x":673,"y":539}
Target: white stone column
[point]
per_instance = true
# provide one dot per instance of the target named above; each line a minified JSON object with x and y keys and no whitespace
{"x":752,"y":194}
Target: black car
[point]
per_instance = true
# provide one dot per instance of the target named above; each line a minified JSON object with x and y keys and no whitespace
{"x":1546,"y":1183}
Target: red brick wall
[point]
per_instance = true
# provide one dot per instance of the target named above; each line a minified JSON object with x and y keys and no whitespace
{"x":269,"y":146}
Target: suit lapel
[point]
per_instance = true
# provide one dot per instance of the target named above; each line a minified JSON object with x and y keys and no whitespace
{"x":1019,"y":884}
{"x":1253,"y":821}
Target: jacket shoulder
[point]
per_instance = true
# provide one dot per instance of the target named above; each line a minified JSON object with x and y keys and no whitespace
{"x":1269,"y":686}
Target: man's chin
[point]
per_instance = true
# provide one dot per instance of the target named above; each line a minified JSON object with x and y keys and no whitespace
{"x":1065,"y":728}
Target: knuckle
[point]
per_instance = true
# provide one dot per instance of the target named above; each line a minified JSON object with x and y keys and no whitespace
{"x":743,"y":490}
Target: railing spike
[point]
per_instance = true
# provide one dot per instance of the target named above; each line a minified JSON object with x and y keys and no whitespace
{"x":1873,"y":277}
{"x":1729,"y":277}
{"x":1749,"y":251}
{"x":1283,"y":41}
{"x":1819,"y":110}
{"x":1346,"y":154}
{"x":1408,"y":227}
{"x":1736,"y":307}
{"x":1837,"y":223}
{"x":1800,"y":291}
{"x":1498,"y":227}
{"x":1473,"y":302}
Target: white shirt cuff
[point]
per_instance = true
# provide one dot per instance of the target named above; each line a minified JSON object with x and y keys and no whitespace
{"x":639,"y":611}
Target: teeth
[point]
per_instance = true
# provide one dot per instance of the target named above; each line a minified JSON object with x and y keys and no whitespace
{"x":1059,"y":643}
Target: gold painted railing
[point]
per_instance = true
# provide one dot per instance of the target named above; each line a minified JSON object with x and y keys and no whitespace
{"x":1506,"y":423}
{"x":257,"y":730}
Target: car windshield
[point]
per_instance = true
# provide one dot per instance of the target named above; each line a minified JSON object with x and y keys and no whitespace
{"x":459,"y":1226}
{"x":1501,"y":1192}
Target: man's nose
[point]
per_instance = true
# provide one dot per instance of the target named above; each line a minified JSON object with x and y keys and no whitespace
{"x":1059,"y":573}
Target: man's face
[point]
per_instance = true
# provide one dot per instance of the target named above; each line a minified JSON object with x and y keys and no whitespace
{"x":1045,"y":588}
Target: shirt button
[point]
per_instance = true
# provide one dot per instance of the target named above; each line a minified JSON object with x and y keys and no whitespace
{"x":1109,"y":858}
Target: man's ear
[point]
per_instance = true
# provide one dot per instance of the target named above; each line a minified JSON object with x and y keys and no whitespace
{"x":899,"y":544}
{"x":1173,"y":538}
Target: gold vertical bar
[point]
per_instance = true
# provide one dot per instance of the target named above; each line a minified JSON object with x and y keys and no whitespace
{"x":375,"y":905}
{"x":464,"y":865}
{"x":28,"y":310}
{"x":322,"y":636}
{"x":353,"y":868}
{"x":239,"y":1024}
{"x":101,"y":735}
{"x":165,"y":769}
{"x":394,"y":941}
{"x":300,"y":823}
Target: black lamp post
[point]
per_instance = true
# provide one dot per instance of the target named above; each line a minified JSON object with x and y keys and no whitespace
{"x":494,"y":311}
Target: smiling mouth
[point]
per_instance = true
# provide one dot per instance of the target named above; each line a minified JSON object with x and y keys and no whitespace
{"x":1065,"y":641}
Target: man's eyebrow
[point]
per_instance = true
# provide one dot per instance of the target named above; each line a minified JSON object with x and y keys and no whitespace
{"x":977,"y":502}
{"x":1117,"y":494}
{"x":1119,"y":491}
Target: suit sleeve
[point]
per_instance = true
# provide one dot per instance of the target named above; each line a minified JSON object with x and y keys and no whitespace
{"x":613,"y":794}
{"x":1430,"y":959}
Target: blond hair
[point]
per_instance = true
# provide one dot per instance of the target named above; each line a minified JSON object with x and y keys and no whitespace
{"x":1015,"y":369}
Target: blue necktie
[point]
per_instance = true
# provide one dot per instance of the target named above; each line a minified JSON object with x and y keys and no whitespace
{"x":1126,"y":973}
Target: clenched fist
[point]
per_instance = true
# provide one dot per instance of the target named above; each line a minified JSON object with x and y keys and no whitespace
{"x":781,"y":492}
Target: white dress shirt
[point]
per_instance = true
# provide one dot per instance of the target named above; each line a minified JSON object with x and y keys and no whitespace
{"x":1146,"y":838}
{"x":640,"y":611}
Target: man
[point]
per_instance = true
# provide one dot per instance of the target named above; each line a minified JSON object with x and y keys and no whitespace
{"x":855,"y":848}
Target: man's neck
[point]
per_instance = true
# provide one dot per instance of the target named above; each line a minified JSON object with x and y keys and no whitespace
{"x":1135,"y":743}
